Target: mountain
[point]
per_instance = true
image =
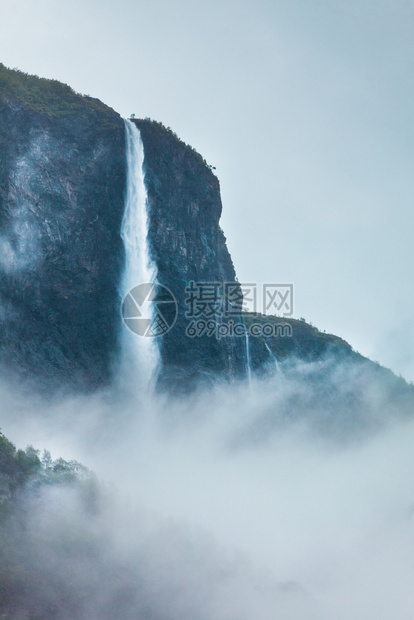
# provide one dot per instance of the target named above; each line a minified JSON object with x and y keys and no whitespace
{"x":63,"y":174}
{"x":69,"y":548}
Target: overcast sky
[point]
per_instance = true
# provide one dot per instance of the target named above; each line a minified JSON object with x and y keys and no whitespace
{"x":305,"y":108}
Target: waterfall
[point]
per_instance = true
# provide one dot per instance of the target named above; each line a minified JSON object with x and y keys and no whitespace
{"x":272,"y":356}
{"x":134,"y":228}
{"x":140,"y":353}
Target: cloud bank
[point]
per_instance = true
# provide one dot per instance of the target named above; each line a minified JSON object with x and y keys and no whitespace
{"x":228,"y":504}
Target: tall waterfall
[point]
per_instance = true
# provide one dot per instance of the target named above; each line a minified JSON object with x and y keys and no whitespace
{"x":134,"y":228}
{"x":140,"y":353}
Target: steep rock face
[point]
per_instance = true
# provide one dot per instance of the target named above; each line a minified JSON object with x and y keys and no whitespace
{"x":62,"y":191}
{"x":62,"y":180}
{"x":187,"y":244}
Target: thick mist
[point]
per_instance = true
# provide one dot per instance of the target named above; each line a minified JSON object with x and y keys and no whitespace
{"x":281,"y":499}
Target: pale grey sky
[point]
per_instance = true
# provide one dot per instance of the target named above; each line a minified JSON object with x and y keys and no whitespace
{"x":305,"y":108}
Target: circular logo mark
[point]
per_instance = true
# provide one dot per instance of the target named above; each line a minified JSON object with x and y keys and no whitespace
{"x":149,"y":310}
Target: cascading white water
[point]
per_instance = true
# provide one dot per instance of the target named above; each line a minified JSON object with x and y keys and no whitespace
{"x":140,"y":353}
{"x":134,"y":228}
{"x":272,"y":355}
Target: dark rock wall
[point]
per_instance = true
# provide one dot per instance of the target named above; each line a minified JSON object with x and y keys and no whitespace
{"x":62,"y":181}
{"x":187,"y":244}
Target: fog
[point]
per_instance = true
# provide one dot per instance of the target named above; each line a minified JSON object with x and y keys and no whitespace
{"x":238,"y":502}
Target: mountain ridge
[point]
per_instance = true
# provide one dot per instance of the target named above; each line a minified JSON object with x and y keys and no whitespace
{"x":62,"y":192}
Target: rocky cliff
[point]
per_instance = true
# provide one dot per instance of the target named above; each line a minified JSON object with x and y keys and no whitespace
{"x":62,"y":179}
{"x":62,"y":189}
{"x":62,"y":192}
{"x":187,"y":245}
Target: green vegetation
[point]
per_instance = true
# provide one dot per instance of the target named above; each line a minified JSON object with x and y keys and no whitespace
{"x":48,"y":97}
{"x":170,"y":132}
{"x":307,"y":341}
{"x":20,"y":466}
{"x":28,"y":513}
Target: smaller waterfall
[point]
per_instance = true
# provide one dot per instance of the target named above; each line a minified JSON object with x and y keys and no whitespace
{"x":272,"y":356}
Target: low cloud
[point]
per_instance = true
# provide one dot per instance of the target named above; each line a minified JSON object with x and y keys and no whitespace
{"x":245,"y":502}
